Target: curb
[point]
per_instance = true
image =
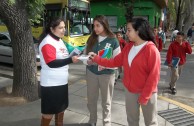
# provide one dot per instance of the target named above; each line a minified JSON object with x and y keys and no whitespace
{"x":186,"y":107}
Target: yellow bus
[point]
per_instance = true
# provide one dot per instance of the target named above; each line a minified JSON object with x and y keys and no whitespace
{"x":77,"y":15}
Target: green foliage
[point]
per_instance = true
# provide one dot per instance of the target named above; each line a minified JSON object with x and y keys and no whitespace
{"x":11,"y":2}
{"x":35,"y":10}
{"x":172,"y":10}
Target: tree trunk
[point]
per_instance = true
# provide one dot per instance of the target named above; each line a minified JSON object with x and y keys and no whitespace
{"x":16,"y":19}
{"x":189,"y":18}
{"x":178,"y":15}
{"x":185,"y":14}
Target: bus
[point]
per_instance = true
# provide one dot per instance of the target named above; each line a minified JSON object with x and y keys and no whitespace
{"x":78,"y":21}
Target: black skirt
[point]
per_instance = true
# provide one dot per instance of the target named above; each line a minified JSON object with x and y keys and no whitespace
{"x":54,"y":99}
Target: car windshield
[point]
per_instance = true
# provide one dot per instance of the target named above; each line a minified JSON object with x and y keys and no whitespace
{"x":4,"y":40}
{"x":79,"y":24}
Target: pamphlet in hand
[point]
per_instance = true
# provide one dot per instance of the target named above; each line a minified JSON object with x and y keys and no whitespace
{"x":105,"y":53}
{"x":75,"y":52}
{"x":83,"y":57}
{"x":175,"y":62}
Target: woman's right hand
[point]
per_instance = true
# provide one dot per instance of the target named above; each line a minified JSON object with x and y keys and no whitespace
{"x":75,"y":59}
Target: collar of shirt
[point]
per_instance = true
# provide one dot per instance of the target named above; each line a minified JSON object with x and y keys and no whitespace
{"x":101,"y":38}
{"x":54,"y":36}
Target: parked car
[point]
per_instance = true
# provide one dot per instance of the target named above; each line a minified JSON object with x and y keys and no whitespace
{"x":6,"y":53}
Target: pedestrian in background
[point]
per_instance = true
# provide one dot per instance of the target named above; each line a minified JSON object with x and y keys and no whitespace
{"x":190,"y":34}
{"x":54,"y":73}
{"x":122,"y":44}
{"x":173,"y":35}
{"x":141,"y":62}
{"x":122,"y":29}
{"x":162,"y":35}
{"x":179,"y":48}
{"x":100,"y":79}
{"x":158,"y":40}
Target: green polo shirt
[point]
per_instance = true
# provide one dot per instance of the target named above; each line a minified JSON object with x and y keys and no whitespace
{"x":106,"y":43}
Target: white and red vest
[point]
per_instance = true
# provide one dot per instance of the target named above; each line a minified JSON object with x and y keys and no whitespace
{"x":53,"y":76}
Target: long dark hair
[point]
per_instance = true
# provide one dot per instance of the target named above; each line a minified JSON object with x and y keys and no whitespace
{"x":52,"y":23}
{"x":144,"y":29}
{"x":93,"y":37}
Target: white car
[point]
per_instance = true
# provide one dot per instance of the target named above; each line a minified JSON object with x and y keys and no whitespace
{"x":6,"y":53}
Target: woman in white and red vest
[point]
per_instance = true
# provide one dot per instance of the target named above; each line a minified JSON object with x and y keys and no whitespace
{"x":54,"y":58}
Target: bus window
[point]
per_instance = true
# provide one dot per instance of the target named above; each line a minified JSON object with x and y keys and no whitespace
{"x":78,"y":24}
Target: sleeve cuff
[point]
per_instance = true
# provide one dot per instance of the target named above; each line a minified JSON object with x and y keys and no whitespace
{"x":142,"y":101}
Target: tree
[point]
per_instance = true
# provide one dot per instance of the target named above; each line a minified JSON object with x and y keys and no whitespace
{"x":178,"y":13}
{"x":129,"y":10}
{"x":187,"y":15}
{"x":184,"y":13}
{"x":16,"y":14}
{"x":171,"y":15}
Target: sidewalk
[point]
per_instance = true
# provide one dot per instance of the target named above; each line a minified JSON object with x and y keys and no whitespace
{"x":77,"y":113}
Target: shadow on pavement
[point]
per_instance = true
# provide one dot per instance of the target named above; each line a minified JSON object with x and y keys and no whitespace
{"x":163,"y":90}
{"x":83,"y":124}
{"x":28,"y":122}
{"x":35,"y":122}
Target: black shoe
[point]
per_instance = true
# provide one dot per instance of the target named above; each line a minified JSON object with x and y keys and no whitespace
{"x":119,"y":76}
{"x":173,"y":91}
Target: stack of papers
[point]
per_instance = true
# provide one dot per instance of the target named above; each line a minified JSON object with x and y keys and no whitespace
{"x":75,"y":52}
{"x":83,"y":57}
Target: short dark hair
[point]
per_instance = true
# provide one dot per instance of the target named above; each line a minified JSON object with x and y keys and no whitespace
{"x":193,"y":24}
{"x":181,"y":33}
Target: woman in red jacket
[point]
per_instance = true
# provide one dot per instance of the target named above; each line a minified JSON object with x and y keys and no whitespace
{"x":141,"y":62}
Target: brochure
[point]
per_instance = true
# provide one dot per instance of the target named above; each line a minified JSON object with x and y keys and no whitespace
{"x":175,"y":62}
{"x":75,"y":52}
{"x":83,"y":57}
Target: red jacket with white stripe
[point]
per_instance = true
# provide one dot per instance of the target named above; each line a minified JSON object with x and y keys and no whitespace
{"x":143,"y":75}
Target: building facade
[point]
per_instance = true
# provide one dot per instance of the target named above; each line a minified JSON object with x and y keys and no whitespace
{"x":115,"y":11}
